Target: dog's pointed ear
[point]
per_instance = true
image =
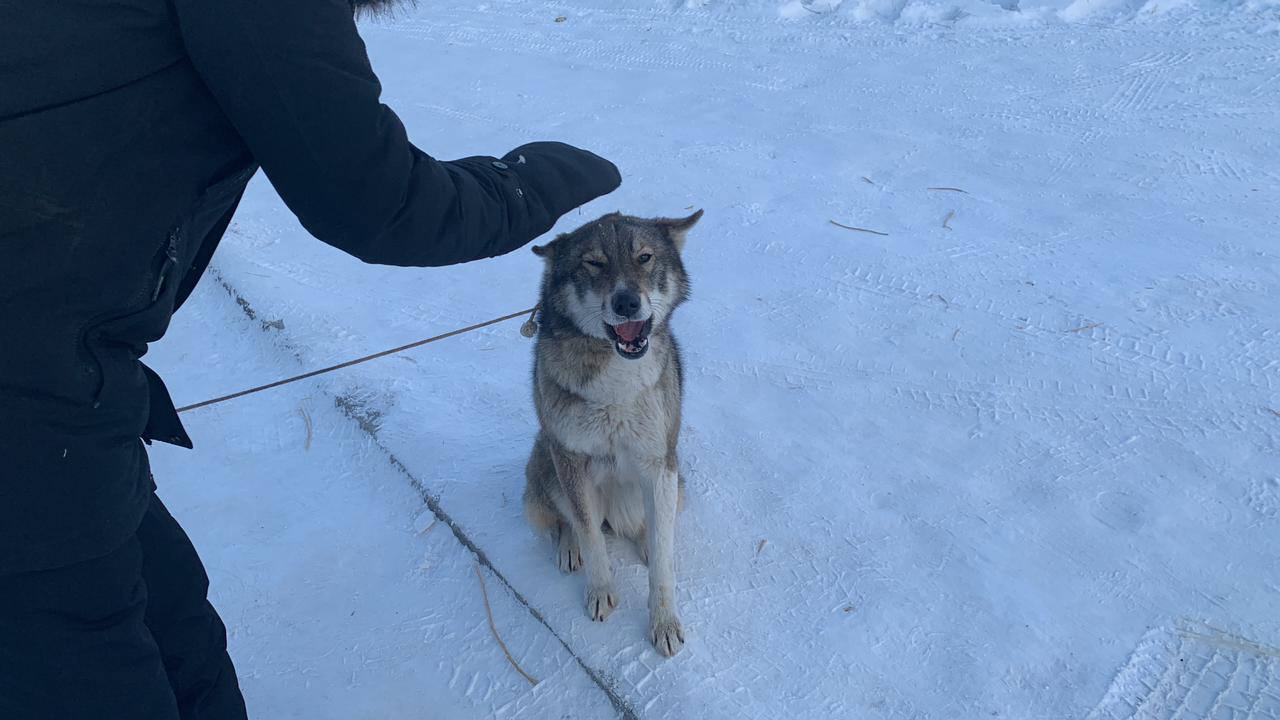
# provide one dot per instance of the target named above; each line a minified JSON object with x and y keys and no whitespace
{"x":548,"y":251}
{"x":679,"y":228}
{"x":544,"y":251}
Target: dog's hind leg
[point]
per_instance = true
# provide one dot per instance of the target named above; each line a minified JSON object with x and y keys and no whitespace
{"x":641,"y":540}
{"x":626,"y":514}
{"x":582,"y":506}
{"x":541,"y":492}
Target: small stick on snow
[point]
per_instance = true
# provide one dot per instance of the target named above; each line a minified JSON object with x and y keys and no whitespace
{"x":306,"y":420}
{"x":766,"y":542}
{"x":1273,"y":411}
{"x":867,"y":180}
{"x":955,"y":334}
{"x":947,"y":189}
{"x":1082,"y":328}
{"x":484,"y":593}
{"x":946,"y":221}
{"x":427,"y":530}
{"x":858,"y":229}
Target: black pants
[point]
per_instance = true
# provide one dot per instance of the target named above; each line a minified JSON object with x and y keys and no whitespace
{"x":127,"y":635}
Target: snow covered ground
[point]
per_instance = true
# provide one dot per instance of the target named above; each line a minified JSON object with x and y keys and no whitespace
{"x":1015,"y":457}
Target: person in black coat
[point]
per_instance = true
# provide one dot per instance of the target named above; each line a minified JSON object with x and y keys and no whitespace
{"x":128,"y":131}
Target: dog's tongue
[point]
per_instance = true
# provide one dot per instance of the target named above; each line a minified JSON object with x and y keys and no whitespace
{"x":629,"y":331}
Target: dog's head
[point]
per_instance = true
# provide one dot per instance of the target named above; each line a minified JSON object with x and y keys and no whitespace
{"x":618,"y":278}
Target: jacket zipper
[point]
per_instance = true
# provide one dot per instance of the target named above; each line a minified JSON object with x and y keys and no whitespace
{"x":168,"y":260}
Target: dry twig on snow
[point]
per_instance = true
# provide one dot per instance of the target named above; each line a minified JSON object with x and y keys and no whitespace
{"x":484,"y":593}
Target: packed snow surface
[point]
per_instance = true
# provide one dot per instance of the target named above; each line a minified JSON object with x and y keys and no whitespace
{"x":1013,"y":454}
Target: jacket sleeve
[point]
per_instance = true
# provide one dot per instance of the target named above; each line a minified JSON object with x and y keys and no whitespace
{"x":294,"y":78}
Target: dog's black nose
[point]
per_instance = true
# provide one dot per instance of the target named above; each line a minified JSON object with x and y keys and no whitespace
{"x":626,"y":303}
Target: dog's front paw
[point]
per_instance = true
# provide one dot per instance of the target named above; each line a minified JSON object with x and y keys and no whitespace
{"x":666,"y":633}
{"x":568,"y":554}
{"x":601,"y":602}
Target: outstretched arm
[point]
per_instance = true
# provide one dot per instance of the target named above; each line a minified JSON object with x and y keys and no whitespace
{"x":294,"y":78}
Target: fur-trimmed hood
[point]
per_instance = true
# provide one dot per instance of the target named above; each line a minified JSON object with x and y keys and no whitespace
{"x":369,"y":8}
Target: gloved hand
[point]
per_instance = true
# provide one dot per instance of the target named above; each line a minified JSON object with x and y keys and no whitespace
{"x":521,"y":195}
{"x":563,"y":177}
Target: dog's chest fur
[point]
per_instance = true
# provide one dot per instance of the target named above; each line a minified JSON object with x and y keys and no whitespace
{"x":617,"y":416}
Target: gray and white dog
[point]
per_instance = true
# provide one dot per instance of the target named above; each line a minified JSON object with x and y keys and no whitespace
{"x":608,"y":387}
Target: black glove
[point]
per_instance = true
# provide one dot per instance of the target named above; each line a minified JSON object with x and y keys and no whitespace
{"x":509,"y":202}
{"x":553,"y":179}
{"x":562,"y":177}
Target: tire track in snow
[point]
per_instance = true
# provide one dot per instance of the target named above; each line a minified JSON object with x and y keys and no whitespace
{"x":1267,"y":88}
{"x":613,"y":54}
{"x":1203,"y":397}
{"x":1263,"y":496}
{"x":1215,"y":164}
{"x":1150,"y":354}
{"x":1131,"y":77}
{"x":1150,"y":81}
{"x":1138,"y":85}
{"x":1209,"y":384}
{"x":834,"y":39}
{"x":1002,"y":399}
{"x":1190,"y":670}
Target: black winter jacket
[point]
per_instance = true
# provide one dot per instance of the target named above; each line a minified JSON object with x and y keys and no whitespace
{"x":128,"y":130}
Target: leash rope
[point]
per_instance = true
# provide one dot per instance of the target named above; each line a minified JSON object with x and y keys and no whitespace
{"x":214,"y":401}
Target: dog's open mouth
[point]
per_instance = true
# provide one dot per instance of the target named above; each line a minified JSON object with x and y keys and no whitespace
{"x":631,"y":339}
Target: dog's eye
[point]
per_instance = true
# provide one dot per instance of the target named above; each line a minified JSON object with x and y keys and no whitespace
{"x":595,"y":264}
{"x":645,"y":258}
